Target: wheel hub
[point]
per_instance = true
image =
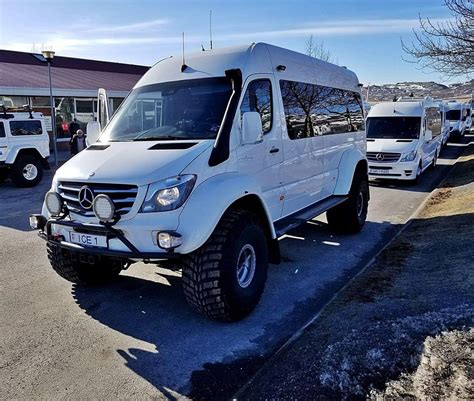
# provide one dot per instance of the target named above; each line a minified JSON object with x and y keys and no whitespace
{"x":360,"y":204}
{"x":30,"y":172}
{"x":246,"y":264}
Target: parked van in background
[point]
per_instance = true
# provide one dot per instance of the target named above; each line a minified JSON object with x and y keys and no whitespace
{"x":454,"y":114}
{"x":403,"y":138}
{"x":206,"y":163}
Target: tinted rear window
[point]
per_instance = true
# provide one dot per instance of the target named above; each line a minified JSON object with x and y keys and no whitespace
{"x":21,"y":128}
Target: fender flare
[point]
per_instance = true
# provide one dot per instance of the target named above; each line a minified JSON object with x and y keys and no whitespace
{"x":15,"y":150}
{"x":218,"y":194}
{"x":350,"y":159}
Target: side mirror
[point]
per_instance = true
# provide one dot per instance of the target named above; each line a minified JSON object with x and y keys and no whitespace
{"x":93,"y":132}
{"x":428,"y":135}
{"x":252,"y":129}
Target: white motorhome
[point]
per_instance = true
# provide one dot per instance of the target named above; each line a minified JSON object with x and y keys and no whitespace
{"x":24,"y":146}
{"x":454,"y":114}
{"x":207,"y":163}
{"x":403,"y":138}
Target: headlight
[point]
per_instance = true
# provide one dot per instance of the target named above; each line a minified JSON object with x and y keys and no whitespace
{"x":169,"y":194}
{"x":103,"y":208}
{"x":409,"y":157}
{"x":54,"y":203}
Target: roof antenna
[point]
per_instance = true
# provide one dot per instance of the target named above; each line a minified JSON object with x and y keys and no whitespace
{"x":210,"y":28}
{"x":183,"y":66}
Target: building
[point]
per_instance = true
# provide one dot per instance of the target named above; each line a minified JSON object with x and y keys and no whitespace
{"x":24,"y":80}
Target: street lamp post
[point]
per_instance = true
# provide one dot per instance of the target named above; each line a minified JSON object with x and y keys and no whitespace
{"x":49,"y":55}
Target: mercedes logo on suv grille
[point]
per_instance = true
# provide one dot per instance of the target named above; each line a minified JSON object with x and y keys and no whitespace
{"x":86,"y":197}
{"x":379,"y":156}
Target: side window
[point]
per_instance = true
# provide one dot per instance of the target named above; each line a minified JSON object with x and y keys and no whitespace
{"x":258,"y":97}
{"x":312,"y":110}
{"x":433,"y":121}
{"x":2,"y":130}
{"x":27,"y":127}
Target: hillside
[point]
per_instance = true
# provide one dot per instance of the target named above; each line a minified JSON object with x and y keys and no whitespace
{"x":387,"y":92}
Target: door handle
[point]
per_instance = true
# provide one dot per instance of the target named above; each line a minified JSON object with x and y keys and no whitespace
{"x":274,"y":150}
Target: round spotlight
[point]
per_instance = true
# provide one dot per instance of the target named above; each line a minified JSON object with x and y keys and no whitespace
{"x":54,"y":203}
{"x":103,"y":208}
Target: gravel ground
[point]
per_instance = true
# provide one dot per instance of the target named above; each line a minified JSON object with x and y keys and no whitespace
{"x":402,"y":328}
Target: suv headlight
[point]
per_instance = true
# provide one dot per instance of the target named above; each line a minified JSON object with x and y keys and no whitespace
{"x":169,"y":194}
{"x":409,"y":157}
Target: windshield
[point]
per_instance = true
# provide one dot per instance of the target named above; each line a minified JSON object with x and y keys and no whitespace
{"x":453,"y":115}
{"x":393,"y":127}
{"x":191,"y":109}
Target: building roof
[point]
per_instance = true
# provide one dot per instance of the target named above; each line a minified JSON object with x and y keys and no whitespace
{"x":25,"y":73}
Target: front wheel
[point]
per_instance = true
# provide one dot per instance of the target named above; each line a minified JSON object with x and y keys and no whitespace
{"x":225,"y":278}
{"x":27,"y":171}
{"x":83,"y":269}
{"x":349,"y":217}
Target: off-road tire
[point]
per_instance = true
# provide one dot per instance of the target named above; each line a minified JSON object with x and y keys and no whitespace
{"x":3,"y":175}
{"x":349,"y":217}
{"x":210,"y":280}
{"x":104,"y":269}
{"x":17,"y":171}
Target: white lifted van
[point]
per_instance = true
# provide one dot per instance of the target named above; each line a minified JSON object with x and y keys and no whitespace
{"x":207,"y":163}
{"x":404,"y":138}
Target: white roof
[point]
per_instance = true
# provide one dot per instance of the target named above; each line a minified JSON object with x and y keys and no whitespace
{"x":395,"y":109}
{"x":254,"y":59}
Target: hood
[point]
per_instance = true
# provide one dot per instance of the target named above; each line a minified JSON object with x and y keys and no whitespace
{"x":138,"y":163}
{"x":391,"y":145}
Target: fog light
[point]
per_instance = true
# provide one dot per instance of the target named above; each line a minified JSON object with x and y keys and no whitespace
{"x":54,"y":203}
{"x":104,"y":208}
{"x":37,"y":221}
{"x":168,"y":240}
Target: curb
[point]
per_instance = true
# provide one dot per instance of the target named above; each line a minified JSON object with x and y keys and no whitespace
{"x":311,"y":321}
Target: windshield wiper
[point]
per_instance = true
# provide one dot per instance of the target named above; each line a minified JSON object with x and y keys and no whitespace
{"x":156,"y":138}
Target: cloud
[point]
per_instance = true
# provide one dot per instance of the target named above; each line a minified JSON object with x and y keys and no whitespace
{"x":138,"y":26}
{"x":321,"y":29}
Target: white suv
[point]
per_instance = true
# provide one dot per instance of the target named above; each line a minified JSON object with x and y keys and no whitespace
{"x":24,"y":147}
{"x":207,"y":163}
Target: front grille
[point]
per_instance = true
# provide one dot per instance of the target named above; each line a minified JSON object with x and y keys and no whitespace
{"x":123,"y":196}
{"x":383,"y":157}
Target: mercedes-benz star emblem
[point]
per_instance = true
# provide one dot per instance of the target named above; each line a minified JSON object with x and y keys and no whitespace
{"x":379,"y":157}
{"x":86,"y":197}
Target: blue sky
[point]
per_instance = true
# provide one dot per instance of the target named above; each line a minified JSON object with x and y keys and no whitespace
{"x":363,"y":35}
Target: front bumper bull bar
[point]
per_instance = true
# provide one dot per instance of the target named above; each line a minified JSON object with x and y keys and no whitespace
{"x":110,"y":232}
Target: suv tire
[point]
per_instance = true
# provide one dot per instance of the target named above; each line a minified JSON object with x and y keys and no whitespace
{"x":80,"y":272}
{"x":349,"y":217}
{"x":3,"y":175}
{"x":27,"y":171}
{"x":225,"y":278}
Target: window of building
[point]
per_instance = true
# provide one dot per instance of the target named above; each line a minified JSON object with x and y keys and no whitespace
{"x":313,"y":110}
{"x":84,"y":106}
{"x":13,"y":101}
{"x":433,"y":121}
{"x":64,"y":115}
{"x":21,"y":128}
{"x":116,"y":102}
{"x":258,"y":97}
{"x":2,"y":130}
{"x":40,"y":101}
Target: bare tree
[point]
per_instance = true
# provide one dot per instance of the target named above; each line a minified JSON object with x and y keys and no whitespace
{"x":317,"y":49}
{"x":447,"y":47}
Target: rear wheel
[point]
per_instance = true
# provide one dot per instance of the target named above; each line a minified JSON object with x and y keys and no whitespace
{"x":349,"y":217}
{"x":27,"y":171}
{"x":3,"y":175}
{"x":81,"y":268}
{"x":225,"y":278}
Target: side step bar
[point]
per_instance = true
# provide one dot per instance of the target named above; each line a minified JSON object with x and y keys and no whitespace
{"x":294,"y":220}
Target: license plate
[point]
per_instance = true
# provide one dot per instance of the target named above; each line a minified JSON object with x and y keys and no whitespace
{"x":377,"y":171}
{"x":88,"y":239}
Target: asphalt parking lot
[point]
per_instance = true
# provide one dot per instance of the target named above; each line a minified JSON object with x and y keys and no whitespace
{"x":138,"y":338}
